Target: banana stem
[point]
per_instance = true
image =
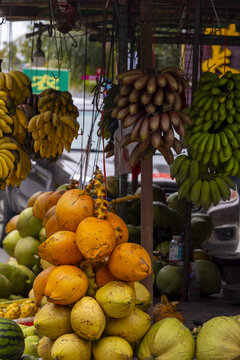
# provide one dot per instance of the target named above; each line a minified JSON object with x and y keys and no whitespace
{"x":124,"y":199}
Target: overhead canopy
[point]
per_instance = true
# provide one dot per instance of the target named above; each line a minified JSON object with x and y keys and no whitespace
{"x":165,"y":12}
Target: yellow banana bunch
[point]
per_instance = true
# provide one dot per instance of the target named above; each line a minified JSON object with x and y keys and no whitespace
{"x":16,"y":84}
{"x":151,"y":105}
{"x":21,"y":171}
{"x":51,"y":134}
{"x":58,"y":102}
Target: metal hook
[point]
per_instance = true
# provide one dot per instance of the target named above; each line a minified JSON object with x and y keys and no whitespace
{"x":4,"y":20}
{"x":74,"y":41}
{"x":58,"y":75}
{"x":61,"y":49}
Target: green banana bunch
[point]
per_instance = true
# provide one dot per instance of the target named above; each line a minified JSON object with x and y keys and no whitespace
{"x":208,"y":190}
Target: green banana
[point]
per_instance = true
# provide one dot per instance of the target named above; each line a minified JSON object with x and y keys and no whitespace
{"x":229,"y":119}
{"x":234,"y":143}
{"x":174,"y":168}
{"x":230,"y":84}
{"x":194,"y":170}
{"x":215,"y":104}
{"x":205,"y":197}
{"x":215,"y":159}
{"x":222,"y":109}
{"x":232,"y":112}
{"x":223,"y":188}
{"x":229,"y":165}
{"x":203,"y":143}
{"x":216,"y":91}
{"x":222,"y":81}
{"x":183,"y":172}
{"x":224,"y":139}
{"x":217,"y":142}
{"x":214,"y":191}
{"x":236,"y":153}
{"x":229,"y":182}
{"x":229,"y":104}
{"x":207,"y":125}
{"x":228,"y":133}
{"x":208,"y":103}
{"x":196,"y":129}
{"x":206,"y":157}
{"x":184,"y":188}
{"x":208,"y":115}
{"x":235,"y":168}
{"x":196,"y":191}
{"x":210,"y":143}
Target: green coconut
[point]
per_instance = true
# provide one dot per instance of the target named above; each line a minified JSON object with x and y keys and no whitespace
{"x":209,"y":277}
{"x":177,"y":204}
{"x":10,"y":241}
{"x":167,"y":339}
{"x":6,"y":287}
{"x":26,"y":251}
{"x":219,"y":338}
{"x":169,"y":280}
{"x":28,"y":224}
{"x":134,"y":234}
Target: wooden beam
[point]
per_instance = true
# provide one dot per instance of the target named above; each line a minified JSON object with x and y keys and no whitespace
{"x":146,"y":165}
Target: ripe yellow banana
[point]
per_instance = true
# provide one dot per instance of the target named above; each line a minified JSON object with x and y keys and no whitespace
{"x":32,"y":123}
{"x":47,"y":116}
{"x":8,"y":153}
{"x":8,"y":145}
{"x":5,"y":169}
{"x":40,"y":121}
{"x":22,"y":118}
{"x":5,"y":127}
{"x":37,"y":144}
{"x":69,"y":121}
{"x":8,"y":161}
{"x":9,"y":81}
{"x":17,"y":79}
{"x":24,"y":78}
{"x":8,"y":119}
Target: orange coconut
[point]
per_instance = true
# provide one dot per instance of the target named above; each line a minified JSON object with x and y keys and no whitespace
{"x":66,"y":284}
{"x":39,"y":207}
{"x":119,"y":226}
{"x":129,"y":262}
{"x":60,"y":249}
{"x":95,"y":238}
{"x":72,"y":208}
{"x":12,"y":224}
{"x":39,"y":284}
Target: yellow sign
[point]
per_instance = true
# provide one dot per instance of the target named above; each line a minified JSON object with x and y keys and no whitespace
{"x":43,"y":82}
{"x":221,"y":56}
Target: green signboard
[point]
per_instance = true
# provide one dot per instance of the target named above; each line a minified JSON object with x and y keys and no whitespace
{"x":43,"y":78}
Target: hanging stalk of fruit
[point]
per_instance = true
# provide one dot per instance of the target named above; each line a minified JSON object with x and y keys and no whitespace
{"x":151,"y":104}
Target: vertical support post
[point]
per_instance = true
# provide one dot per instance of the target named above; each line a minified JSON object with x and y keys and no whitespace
{"x":146,"y":165}
{"x":122,"y":66}
{"x":195,"y":61}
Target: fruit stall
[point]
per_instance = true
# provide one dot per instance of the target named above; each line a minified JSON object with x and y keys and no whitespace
{"x":96,"y":271}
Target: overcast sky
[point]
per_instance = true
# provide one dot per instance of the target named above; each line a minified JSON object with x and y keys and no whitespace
{"x":19,"y":28}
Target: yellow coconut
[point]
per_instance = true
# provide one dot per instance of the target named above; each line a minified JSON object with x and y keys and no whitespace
{"x":116,"y":298}
{"x":71,"y":347}
{"x":112,"y":348}
{"x":53,"y":320}
{"x":131,"y":328}
{"x":44,"y":348}
{"x":143,"y":296}
{"x":87,"y":319}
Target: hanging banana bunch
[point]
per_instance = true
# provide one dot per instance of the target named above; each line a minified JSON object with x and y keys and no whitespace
{"x":151,"y":104}
{"x":213,"y":140}
{"x":16,"y":84}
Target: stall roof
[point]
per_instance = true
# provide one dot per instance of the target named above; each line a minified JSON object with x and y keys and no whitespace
{"x":165,"y":12}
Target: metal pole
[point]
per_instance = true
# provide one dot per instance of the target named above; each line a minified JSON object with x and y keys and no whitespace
{"x":122,"y":17}
{"x":146,"y":165}
{"x":187,"y":240}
